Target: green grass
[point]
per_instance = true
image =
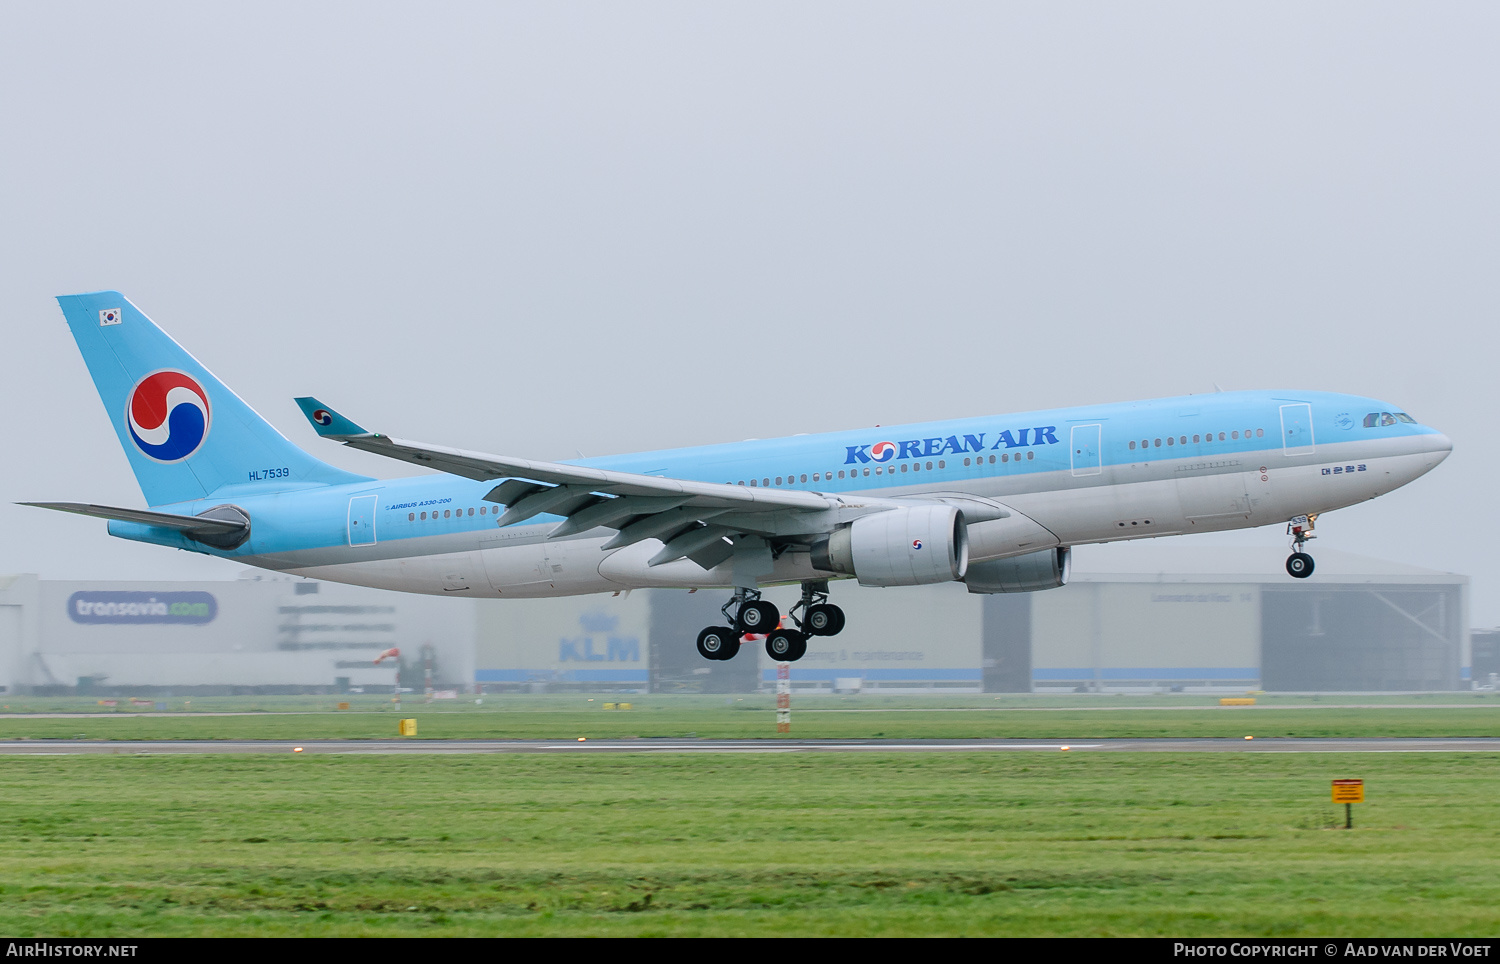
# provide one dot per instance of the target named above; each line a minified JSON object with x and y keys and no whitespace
{"x":753,"y":717}
{"x":979,"y":844}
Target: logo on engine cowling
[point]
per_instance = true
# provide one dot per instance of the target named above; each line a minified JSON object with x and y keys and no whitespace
{"x":916,"y":543}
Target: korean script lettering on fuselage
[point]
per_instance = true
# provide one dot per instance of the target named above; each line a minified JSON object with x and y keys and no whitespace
{"x":926,"y":448}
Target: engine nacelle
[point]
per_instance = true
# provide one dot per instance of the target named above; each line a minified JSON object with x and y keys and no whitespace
{"x":1047,"y":569}
{"x":901,"y":547}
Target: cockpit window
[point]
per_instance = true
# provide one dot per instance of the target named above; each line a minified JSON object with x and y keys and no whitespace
{"x":1385,"y":418}
{"x":1403,"y":417}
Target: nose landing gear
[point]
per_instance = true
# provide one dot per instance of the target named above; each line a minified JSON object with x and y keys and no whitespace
{"x":813,"y":615}
{"x":1299,"y":565}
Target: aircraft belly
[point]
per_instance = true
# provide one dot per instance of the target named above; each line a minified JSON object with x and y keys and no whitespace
{"x":412,"y":574}
{"x":564,"y":568}
{"x":1214,"y":501}
{"x":1014,"y":535}
{"x":1103,"y":513}
{"x":626,"y":568}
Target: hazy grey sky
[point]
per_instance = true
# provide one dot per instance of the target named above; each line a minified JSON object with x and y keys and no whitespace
{"x":541,"y":229}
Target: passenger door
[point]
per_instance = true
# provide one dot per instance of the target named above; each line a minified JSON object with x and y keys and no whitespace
{"x":362,"y":520}
{"x":1084,"y":445}
{"x":1297,"y":429}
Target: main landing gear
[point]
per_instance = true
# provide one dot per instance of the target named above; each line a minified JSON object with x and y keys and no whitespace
{"x":813,"y":615}
{"x":1299,"y":565}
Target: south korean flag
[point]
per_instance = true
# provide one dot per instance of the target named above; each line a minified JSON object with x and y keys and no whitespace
{"x":110,"y":316}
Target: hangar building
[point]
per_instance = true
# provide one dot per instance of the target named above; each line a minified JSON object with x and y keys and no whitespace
{"x":1147,"y":616}
{"x":261,"y":633}
{"x":1143,"y":617}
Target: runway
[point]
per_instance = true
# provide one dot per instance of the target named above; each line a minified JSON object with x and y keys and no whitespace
{"x":447,"y":747}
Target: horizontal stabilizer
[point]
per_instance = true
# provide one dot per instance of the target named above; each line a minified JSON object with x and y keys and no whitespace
{"x":227,"y":529}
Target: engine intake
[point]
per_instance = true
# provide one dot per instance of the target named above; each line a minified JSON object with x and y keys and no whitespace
{"x":901,"y":547}
{"x":1047,"y":569}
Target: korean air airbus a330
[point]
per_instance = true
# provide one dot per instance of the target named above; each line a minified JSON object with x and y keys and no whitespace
{"x":995,"y":502}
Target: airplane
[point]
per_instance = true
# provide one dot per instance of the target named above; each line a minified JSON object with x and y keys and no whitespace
{"x":996,"y":502}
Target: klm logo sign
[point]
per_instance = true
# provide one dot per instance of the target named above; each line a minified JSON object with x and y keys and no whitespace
{"x":926,"y":448}
{"x":600,"y":643}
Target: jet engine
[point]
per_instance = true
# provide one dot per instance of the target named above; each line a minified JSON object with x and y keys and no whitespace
{"x":1047,"y":569}
{"x":900,"y":547}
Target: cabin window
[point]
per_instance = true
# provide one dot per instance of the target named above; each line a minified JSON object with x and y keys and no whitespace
{"x":992,"y":460}
{"x":411,"y":517}
{"x":1132,"y":445}
{"x":1234,"y":434}
{"x":1158,"y":443}
{"x":966,"y":463}
{"x":1260,"y":433}
{"x":903,"y":467}
{"x":942,"y":463}
{"x":1030,"y":456}
{"x":1170,"y":440}
{"x":878,"y":470}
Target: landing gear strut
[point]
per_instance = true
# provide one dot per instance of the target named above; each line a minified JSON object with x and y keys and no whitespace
{"x":813,"y":612}
{"x":749,"y":614}
{"x":1299,"y":565}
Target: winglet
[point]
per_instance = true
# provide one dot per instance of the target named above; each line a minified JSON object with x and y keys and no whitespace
{"x":328,"y":423}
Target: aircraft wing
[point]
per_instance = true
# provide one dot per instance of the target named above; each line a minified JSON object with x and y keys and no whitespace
{"x":688,"y":517}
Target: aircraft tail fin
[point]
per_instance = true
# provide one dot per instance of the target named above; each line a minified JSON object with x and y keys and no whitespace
{"x":185,"y":433}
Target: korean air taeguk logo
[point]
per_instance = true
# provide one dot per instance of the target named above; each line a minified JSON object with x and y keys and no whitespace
{"x":168,"y":415}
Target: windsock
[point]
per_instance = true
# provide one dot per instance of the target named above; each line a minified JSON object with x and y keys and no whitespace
{"x":392,"y":653}
{"x":748,"y":638}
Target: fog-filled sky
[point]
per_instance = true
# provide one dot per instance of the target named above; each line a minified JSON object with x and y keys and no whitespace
{"x":553,"y":229}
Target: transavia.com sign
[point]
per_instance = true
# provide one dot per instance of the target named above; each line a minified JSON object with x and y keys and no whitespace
{"x":188,"y":608}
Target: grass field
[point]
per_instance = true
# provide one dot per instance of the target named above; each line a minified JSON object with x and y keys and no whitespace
{"x":886,"y":844}
{"x":753,"y":717}
{"x":1024,"y":843}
